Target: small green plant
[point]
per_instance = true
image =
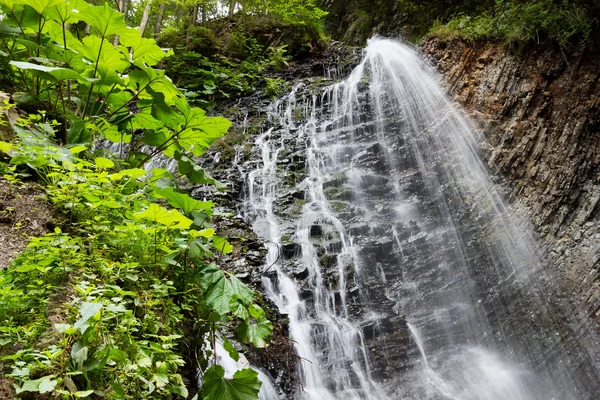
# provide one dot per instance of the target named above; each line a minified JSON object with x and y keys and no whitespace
{"x":274,"y":87}
{"x":278,"y":59}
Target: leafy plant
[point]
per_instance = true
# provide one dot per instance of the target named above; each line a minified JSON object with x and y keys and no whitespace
{"x":109,"y":307}
{"x":133,"y":273}
{"x":274,"y":87}
{"x":278,"y":58}
{"x":563,"y":22}
{"x":112,"y":92}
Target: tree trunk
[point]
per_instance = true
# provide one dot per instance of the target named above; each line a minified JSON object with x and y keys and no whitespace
{"x":145,"y":17}
{"x":123,"y":9}
{"x":159,"y":19}
{"x":231,"y":8}
{"x":193,"y":22}
{"x":204,"y":13}
{"x":194,"y":15}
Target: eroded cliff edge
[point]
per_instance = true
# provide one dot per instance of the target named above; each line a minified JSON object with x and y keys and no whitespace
{"x":539,"y":109}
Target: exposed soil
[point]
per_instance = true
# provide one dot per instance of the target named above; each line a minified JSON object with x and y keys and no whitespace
{"x":24,"y":212}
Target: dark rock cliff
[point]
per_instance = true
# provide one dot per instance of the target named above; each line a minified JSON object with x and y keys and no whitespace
{"x":539,"y":112}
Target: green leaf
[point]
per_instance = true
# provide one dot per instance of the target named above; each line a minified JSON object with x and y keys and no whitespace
{"x":87,"y":311}
{"x":145,"y":120}
{"x":238,"y":308}
{"x":180,"y":390}
{"x":6,"y":29}
{"x":20,"y":159}
{"x":256,"y":332}
{"x":134,"y":173}
{"x":5,"y":147}
{"x":195,"y":173}
{"x":220,"y":290}
{"x":118,"y":389}
{"x":161,"y":379}
{"x":233,"y":353}
{"x":144,"y":50}
{"x":241,"y":290}
{"x":79,"y":354}
{"x":40,"y":6}
{"x":104,"y":19}
{"x":162,"y":111}
{"x":103,"y":163}
{"x":65,"y":329}
{"x":199,"y":130}
{"x":110,"y":57}
{"x":83,"y":393}
{"x":222,"y":245}
{"x":55,"y":73}
{"x":243,"y":386}
{"x":77,"y":149}
{"x":184,"y":201}
{"x":219,"y":293}
{"x":170,"y":218}
{"x":206,"y":233}
{"x":112,"y":134}
{"x":78,"y":133}
{"x":42,"y":385}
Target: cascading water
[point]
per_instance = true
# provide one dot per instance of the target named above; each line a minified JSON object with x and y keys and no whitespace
{"x":402,"y":271}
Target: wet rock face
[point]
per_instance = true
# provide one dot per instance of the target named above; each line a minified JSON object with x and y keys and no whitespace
{"x":540,"y":125}
{"x":540,"y":114}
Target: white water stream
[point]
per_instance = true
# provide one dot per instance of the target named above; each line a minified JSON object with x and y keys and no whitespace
{"x":393,"y":218}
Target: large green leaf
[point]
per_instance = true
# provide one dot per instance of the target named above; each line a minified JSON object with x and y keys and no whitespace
{"x":199,"y":130}
{"x":241,"y":290}
{"x":45,"y":384}
{"x":7,"y":30}
{"x":40,"y":6}
{"x":145,"y":120}
{"x":65,"y":11}
{"x":106,"y":20}
{"x":78,"y":132}
{"x":218,"y":295}
{"x":143,"y":50}
{"x":21,"y":16}
{"x":162,"y":111}
{"x":222,"y":245}
{"x":87,"y":310}
{"x":153,"y":81}
{"x":256,"y":331}
{"x":243,"y":386}
{"x":185,"y":201}
{"x":112,"y":133}
{"x":233,"y":353}
{"x":170,"y":218}
{"x":195,"y":173}
{"x":56,"y":73}
{"x":223,"y":292}
{"x":110,"y":56}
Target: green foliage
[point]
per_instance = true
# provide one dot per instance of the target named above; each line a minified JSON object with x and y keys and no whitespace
{"x":303,"y":12}
{"x":135,"y":271}
{"x":566,"y":22}
{"x":227,"y":58}
{"x":278,"y":59}
{"x":274,"y":87}
{"x":103,"y":91}
{"x":243,"y":386}
{"x":108,"y":308}
{"x":563,"y":22}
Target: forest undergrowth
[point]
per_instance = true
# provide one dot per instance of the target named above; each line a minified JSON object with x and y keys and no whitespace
{"x":128,"y":295}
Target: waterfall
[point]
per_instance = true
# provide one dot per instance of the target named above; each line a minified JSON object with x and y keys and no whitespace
{"x":401,"y":269}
